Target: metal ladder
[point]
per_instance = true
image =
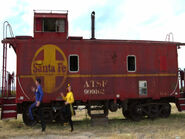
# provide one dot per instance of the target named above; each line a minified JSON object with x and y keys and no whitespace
{"x":8,"y":104}
{"x":180,"y":102}
{"x":6,"y":26}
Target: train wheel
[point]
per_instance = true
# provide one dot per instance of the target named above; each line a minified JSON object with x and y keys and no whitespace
{"x":26,"y":119}
{"x":153,"y":111}
{"x":47,"y":114}
{"x":95,"y":108}
{"x":113,"y":107}
{"x":59,"y":120}
{"x":126,"y":114}
{"x":106,"y":110}
{"x":59,"y":117}
{"x":135,"y":111}
{"x":165,"y":110}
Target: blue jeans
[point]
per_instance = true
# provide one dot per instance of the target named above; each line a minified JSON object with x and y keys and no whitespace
{"x":30,"y":110}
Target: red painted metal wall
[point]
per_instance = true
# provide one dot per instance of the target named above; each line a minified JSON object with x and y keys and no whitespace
{"x":102,"y":68}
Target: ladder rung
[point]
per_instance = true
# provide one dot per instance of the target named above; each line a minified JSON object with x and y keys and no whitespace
{"x":8,"y":118}
{"x":8,"y":97}
{"x":181,"y":98}
{"x":9,"y":104}
{"x":9,"y":111}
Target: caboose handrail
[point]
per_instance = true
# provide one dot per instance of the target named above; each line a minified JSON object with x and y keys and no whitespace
{"x":50,"y":11}
{"x":169,"y":37}
{"x":175,"y":86}
{"x":22,"y":88}
{"x":7,"y":26}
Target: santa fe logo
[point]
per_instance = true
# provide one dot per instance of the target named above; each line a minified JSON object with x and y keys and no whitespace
{"x":50,"y":63}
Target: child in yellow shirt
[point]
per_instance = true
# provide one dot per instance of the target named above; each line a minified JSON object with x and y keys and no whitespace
{"x":69,"y":100}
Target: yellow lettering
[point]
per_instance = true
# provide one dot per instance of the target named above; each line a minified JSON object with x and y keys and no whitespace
{"x":86,"y":85}
{"x":104,"y":83}
{"x":92,"y":83}
{"x":98,"y":83}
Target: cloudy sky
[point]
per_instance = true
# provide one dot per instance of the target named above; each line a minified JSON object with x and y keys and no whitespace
{"x":115,"y":19}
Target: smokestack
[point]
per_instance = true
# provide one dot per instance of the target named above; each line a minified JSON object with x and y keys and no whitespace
{"x":93,"y":25}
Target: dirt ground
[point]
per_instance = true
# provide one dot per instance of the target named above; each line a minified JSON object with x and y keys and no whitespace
{"x":116,"y":128}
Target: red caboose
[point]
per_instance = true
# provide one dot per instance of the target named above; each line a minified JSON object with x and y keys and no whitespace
{"x":141,"y":77}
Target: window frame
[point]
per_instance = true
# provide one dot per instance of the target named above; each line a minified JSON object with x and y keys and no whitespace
{"x":69,"y":63}
{"x":64,"y":26}
{"x":135,"y":63}
{"x":42,"y":28}
{"x":145,"y":81}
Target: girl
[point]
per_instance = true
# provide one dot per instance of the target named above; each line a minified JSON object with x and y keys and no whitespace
{"x":68,"y":109}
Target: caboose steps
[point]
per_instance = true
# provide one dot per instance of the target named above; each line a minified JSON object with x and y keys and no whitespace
{"x":181,"y":104}
{"x":9,"y":108}
{"x":9,"y":98}
{"x":181,"y":100}
{"x":182,"y":107}
{"x":8,"y":114}
{"x":8,"y":101}
{"x":9,"y":111}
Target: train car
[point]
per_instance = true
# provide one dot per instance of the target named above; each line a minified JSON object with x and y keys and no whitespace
{"x":140,"y":77}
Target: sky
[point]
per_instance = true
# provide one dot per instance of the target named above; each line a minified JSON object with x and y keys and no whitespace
{"x":115,"y":19}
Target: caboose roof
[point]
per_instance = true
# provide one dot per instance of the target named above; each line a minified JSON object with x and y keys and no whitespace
{"x":137,"y":41}
{"x":107,"y":41}
{"x":50,"y":14}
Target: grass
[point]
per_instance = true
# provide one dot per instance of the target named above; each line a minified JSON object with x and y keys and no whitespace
{"x":117,"y":128}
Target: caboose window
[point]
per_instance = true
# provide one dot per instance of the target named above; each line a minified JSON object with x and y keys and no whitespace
{"x":131,"y":63}
{"x":53,"y":25}
{"x":73,"y":63}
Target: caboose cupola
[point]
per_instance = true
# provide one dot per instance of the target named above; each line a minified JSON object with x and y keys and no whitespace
{"x":51,"y":24}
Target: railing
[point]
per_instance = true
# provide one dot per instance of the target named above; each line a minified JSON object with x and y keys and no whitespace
{"x":8,"y":87}
{"x":169,"y":37}
{"x":50,"y":11}
{"x":7,"y":26}
{"x":4,"y":86}
{"x":5,"y":74}
{"x":181,"y":80}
